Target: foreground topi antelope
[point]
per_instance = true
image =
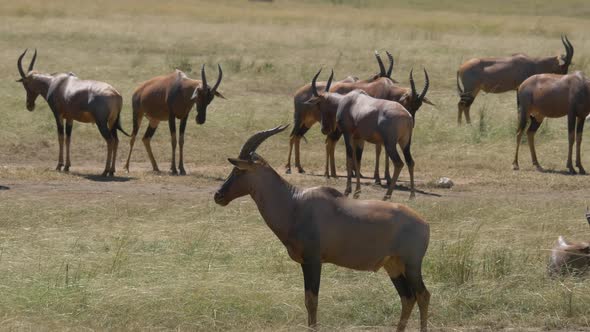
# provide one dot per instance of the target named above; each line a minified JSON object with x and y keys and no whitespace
{"x":360,"y":118}
{"x":319,"y":225}
{"x":306,"y":115}
{"x":498,"y":75}
{"x":570,"y":257}
{"x":553,"y":96}
{"x":167,"y":98}
{"x":71,"y":98}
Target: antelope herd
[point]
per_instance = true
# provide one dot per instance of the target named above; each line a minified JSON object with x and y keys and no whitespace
{"x":321,"y":225}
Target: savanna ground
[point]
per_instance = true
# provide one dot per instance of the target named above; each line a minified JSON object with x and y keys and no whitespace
{"x":153,"y":251}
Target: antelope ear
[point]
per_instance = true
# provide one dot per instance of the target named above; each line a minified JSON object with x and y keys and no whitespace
{"x":561,"y":60}
{"x":427,"y":101}
{"x":312,"y":101}
{"x":195,"y":93}
{"x":218,"y":94}
{"x":241,"y":164}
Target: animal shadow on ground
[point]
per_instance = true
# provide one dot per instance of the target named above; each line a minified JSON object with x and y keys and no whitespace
{"x":385,"y":186}
{"x":562,"y":172}
{"x":4,"y":187}
{"x":100,"y":178}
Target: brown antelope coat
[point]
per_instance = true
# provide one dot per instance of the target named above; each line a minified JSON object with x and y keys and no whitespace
{"x":306,"y":115}
{"x":319,"y":225}
{"x":498,"y":75}
{"x":72,"y":99}
{"x":167,"y":98}
{"x":554,"y":96}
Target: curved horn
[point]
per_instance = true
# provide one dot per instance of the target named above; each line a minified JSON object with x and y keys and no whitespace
{"x":426,"y":85}
{"x":218,"y":78}
{"x":33,"y":61}
{"x":588,"y":215}
{"x":412,"y":85}
{"x":20,"y":65}
{"x":380,"y":62}
{"x":391,"y":62}
{"x":255,"y":140}
{"x":330,"y":81}
{"x":314,"y":89}
{"x":571,"y":47}
{"x":203,"y":77}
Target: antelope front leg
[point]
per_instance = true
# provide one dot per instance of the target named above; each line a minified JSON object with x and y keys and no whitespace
{"x":69,"y":125}
{"x":349,"y":165}
{"x":311,"y":275}
{"x":376,"y":174}
{"x":579,"y":131}
{"x":356,"y":151}
{"x":571,"y":125}
{"x":172,"y":125}
{"x":181,"y":146}
{"x":60,"y":139}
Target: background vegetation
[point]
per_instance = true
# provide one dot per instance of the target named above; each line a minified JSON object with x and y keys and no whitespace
{"x":152,"y":251}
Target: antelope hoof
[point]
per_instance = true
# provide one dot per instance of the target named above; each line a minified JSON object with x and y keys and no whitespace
{"x":288,"y":170}
{"x":173,"y":171}
{"x":300,"y":170}
{"x":572,"y":171}
{"x":357,"y":193}
{"x":66,"y":168}
{"x":182,"y":171}
{"x":412,"y":195}
{"x":58,"y":168}
{"x":111,"y":174}
{"x":105,"y":173}
{"x":378,"y":182}
{"x":333,"y":174}
{"x":515,"y":167}
{"x":347,"y":192}
{"x":387,"y":198}
{"x":581,"y":170}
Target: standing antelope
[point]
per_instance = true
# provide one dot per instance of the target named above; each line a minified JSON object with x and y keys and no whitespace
{"x":380,"y":89}
{"x":360,"y":118}
{"x":497,"y":75}
{"x":305,"y":115}
{"x":319,"y":225}
{"x":553,"y":96}
{"x":570,"y":257}
{"x":167,"y":98}
{"x":71,"y":98}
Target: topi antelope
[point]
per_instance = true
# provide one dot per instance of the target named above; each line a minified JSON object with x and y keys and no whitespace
{"x":167,"y":98}
{"x":360,"y":118}
{"x":553,"y":96}
{"x":498,"y":75}
{"x":305,"y":115}
{"x":319,"y":225}
{"x":570,"y":258}
{"x":71,"y":98}
{"x":380,"y":89}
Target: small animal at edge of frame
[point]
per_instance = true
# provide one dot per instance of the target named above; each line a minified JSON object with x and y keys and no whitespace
{"x":570,"y":258}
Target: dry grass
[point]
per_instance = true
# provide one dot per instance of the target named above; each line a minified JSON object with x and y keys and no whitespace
{"x":154,"y":252}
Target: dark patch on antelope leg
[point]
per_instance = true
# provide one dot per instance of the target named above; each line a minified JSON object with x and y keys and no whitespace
{"x":402,"y":286}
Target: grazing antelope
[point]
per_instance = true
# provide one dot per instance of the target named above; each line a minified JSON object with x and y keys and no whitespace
{"x":167,"y":98}
{"x":71,"y":98}
{"x":319,"y":225}
{"x":360,"y":118}
{"x":570,"y":258}
{"x":498,"y":75}
{"x":553,"y":96}
{"x":305,"y":115}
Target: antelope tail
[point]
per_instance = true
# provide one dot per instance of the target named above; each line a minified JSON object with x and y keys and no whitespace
{"x":118,"y":124}
{"x":459,"y":90}
{"x":135,"y":110}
